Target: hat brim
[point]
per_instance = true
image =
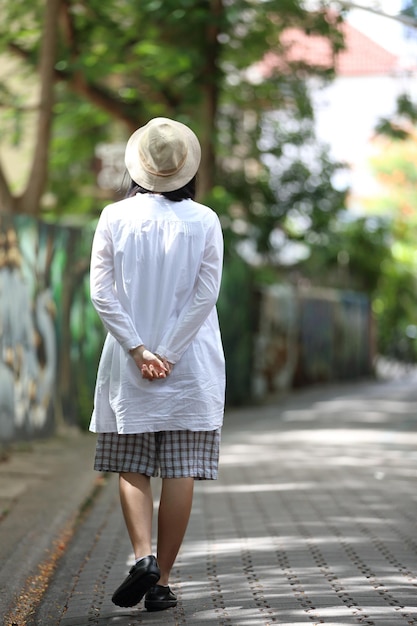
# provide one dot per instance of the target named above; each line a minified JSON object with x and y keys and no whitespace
{"x":154,"y":182}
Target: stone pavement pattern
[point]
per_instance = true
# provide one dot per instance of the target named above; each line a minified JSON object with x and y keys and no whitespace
{"x":312,"y":521}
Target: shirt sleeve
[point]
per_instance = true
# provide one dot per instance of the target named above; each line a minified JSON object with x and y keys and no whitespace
{"x":205,"y":295}
{"x":102,"y":288}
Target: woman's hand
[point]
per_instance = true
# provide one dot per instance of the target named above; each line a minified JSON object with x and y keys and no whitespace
{"x":151,"y":365}
{"x":167,"y":364}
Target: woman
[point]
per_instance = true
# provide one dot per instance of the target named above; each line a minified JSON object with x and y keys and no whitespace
{"x":156,"y":268}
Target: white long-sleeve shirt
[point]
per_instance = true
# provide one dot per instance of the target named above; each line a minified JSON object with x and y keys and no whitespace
{"x":155,"y":277}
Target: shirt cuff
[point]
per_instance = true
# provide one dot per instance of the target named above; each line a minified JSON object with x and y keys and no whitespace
{"x":129,"y":345}
{"x":170,"y":356}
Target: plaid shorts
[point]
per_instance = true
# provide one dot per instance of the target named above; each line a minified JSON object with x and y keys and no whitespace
{"x":167,"y":454}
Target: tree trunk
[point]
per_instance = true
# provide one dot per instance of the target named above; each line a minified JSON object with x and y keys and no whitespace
{"x":6,"y":198}
{"x":29,"y":202}
{"x":210,"y":101}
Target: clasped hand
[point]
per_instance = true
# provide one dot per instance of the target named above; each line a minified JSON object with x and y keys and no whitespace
{"x":152,"y":366}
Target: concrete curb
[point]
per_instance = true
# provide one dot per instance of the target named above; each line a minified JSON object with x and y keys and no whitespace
{"x":42,"y":492}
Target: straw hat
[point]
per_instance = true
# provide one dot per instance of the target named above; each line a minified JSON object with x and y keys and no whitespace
{"x":163,"y":155}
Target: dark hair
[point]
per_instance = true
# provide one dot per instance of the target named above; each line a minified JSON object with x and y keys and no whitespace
{"x":184,"y":193}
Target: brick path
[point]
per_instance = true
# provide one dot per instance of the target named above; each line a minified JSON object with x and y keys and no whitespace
{"x":313,"y":521}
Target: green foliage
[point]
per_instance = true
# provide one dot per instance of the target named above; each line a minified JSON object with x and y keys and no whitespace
{"x":395,"y":302}
{"x":237,"y":314}
{"x":72,"y":175}
{"x":119,"y":63}
{"x":395,"y":309}
{"x":400,"y":126}
{"x":279,"y":184}
{"x":351,"y":255}
{"x":410,"y":8}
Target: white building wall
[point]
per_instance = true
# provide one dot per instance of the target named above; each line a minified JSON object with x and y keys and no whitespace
{"x":347,"y":112}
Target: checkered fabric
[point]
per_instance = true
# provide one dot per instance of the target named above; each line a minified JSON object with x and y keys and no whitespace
{"x":167,"y":454}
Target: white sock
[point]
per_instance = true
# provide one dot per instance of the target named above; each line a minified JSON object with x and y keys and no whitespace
{"x":140,"y":558}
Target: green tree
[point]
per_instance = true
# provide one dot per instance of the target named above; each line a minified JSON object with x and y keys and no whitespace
{"x":116,"y":64}
{"x":350,"y":255}
{"x":119,"y":63}
{"x":395,"y":301}
{"x":43,"y":63}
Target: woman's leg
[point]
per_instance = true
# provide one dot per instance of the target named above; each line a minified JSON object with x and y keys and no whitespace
{"x":174,"y":513}
{"x":137,"y":506}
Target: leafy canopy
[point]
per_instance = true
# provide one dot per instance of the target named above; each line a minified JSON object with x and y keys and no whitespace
{"x":120,"y":63}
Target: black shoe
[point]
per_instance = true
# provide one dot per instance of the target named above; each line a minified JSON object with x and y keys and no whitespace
{"x":142,"y":576}
{"x":160,"y":598}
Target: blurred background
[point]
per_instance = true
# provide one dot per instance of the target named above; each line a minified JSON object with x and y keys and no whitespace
{"x":307,"y":116}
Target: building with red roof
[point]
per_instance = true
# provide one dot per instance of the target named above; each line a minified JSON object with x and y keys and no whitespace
{"x":360,"y":57}
{"x":368,"y":80}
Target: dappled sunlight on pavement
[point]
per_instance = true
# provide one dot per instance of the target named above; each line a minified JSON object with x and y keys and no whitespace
{"x":312,"y":521}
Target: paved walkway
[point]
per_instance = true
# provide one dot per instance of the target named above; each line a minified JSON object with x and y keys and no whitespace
{"x":313,"y":521}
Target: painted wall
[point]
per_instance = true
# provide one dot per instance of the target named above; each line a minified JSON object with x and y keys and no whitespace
{"x":28,"y":346}
{"x":307,"y":336}
{"x":45,"y":347}
{"x":50,"y":336}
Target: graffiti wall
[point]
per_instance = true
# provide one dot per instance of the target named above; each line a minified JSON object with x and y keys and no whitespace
{"x":275,"y":337}
{"x":27,"y":335}
{"x":307,"y":336}
{"x":275,"y":340}
{"x":42,"y":287}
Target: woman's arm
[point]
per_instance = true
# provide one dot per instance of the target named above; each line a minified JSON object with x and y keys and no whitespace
{"x":102,"y":290}
{"x":206,"y":292}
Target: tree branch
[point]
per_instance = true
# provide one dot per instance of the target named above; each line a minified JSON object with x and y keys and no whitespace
{"x":403,"y":19}
{"x":6,"y":198}
{"x":104,"y":100}
{"x":39,"y":169}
